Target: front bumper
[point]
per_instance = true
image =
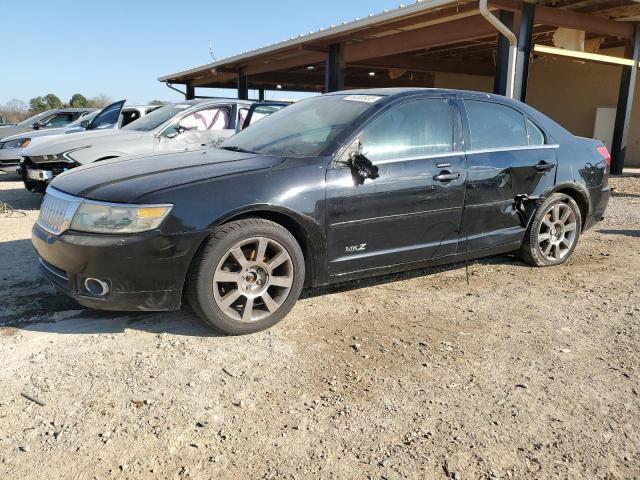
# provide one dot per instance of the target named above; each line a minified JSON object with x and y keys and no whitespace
{"x":145,"y":272}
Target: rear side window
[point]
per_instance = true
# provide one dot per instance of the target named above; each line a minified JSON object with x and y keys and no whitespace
{"x":536,"y":137}
{"x":412,"y":129}
{"x":492,"y":125}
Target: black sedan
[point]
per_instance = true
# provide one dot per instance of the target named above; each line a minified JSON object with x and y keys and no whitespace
{"x":342,"y":186}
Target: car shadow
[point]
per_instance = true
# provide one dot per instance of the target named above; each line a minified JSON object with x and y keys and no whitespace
{"x":628,"y":233}
{"x":624,"y":195}
{"x":33,"y":305}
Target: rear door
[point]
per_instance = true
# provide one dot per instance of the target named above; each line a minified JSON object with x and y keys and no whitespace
{"x":508,"y":157}
{"x":412,"y":211}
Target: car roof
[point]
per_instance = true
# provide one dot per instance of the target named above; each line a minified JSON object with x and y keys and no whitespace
{"x":400,"y":92}
{"x":73,"y":110}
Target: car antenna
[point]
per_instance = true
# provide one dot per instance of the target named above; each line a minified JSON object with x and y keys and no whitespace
{"x":211,"y":51}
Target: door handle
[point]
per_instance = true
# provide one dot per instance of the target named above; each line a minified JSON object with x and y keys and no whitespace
{"x":446,"y":176}
{"x":544,"y":166}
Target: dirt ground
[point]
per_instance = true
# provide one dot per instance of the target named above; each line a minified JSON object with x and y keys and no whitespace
{"x":519,"y":373}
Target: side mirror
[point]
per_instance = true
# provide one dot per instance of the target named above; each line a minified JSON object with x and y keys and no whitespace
{"x":85,"y":124}
{"x":181,"y":128}
{"x":36,"y":126}
{"x":361,"y":167}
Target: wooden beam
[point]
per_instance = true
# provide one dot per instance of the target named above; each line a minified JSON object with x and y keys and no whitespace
{"x":418,"y":63}
{"x":350,"y":81}
{"x":313,"y":48}
{"x":441,"y":34}
{"x":592,"y":57}
{"x":570,"y":19}
{"x":285,"y":63}
{"x":213,"y":78}
{"x":581,"y":21}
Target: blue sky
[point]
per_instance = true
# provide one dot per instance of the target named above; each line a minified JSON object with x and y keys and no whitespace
{"x":120,"y":48}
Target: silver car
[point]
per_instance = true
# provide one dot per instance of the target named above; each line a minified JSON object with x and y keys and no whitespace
{"x":60,"y":117}
{"x":115,"y":115}
{"x":181,"y":126}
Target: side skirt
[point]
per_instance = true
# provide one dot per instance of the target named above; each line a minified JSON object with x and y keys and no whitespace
{"x":401,"y":267}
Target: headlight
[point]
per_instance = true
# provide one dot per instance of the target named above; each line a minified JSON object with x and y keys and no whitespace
{"x":18,"y":143}
{"x":114,"y":218}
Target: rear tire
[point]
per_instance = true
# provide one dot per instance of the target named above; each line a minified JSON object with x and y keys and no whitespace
{"x":553,"y":232}
{"x":247,"y":277}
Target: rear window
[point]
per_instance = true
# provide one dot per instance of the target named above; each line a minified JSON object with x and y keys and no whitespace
{"x":492,"y":125}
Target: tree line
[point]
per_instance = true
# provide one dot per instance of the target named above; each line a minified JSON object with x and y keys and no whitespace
{"x":17,"y":110}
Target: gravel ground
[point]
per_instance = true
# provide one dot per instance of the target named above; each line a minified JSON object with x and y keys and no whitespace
{"x":507,"y":372}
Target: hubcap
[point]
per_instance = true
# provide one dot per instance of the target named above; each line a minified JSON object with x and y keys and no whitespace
{"x":557,"y":232}
{"x":253,"y":279}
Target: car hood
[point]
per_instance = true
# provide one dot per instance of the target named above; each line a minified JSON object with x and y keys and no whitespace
{"x":11,"y":130}
{"x":34,"y":134}
{"x":124,"y":180}
{"x":63,"y":143}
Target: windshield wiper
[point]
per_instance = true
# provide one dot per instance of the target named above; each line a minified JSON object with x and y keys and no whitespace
{"x":233,"y":148}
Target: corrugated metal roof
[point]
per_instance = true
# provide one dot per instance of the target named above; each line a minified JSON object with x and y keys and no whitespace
{"x":344,"y":27}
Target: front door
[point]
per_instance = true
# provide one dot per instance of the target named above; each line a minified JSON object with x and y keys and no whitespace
{"x":508,"y":158}
{"x":412,"y":211}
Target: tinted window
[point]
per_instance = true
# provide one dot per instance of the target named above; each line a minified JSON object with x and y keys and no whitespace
{"x":536,"y":137}
{"x":107,"y":117}
{"x":59,"y":120}
{"x":495,"y":126}
{"x":413,"y":129}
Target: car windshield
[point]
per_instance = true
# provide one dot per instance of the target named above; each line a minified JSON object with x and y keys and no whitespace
{"x":31,"y":120}
{"x":157,"y":117}
{"x":88,"y":116}
{"x":304,"y":129}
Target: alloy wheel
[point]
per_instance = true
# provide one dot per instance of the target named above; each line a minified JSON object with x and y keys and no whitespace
{"x":253,"y":279}
{"x":557,"y":232}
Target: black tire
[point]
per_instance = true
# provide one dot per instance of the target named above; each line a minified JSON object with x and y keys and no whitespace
{"x":200,"y":281}
{"x":532,"y":250}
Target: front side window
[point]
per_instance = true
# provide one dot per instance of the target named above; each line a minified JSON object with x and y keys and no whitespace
{"x":492,"y":125}
{"x":536,"y":137}
{"x":212,"y":118}
{"x":59,"y":120}
{"x":413,"y":129}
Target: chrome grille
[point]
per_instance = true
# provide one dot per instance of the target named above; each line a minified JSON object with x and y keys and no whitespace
{"x":57,"y":211}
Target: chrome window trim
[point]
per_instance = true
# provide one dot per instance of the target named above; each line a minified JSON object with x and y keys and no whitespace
{"x":510,"y":149}
{"x":420,"y":157}
{"x":468,"y":152}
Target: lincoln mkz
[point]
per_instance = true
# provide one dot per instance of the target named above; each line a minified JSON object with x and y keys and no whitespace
{"x":333,"y":188}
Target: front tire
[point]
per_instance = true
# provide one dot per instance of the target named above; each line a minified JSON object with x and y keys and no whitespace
{"x":553,"y":232}
{"x":247,"y":277}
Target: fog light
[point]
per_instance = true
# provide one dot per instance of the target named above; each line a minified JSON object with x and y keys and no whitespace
{"x":96,"y":287}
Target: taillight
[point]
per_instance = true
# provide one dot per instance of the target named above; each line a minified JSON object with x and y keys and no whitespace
{"x":605,"y":155}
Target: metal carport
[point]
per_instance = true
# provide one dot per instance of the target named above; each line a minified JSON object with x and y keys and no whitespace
{"x":409,"y":45}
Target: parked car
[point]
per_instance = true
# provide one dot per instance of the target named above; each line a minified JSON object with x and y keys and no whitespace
{"x":60,"y":117}
{"x":337,"y":187}
{"x":181,"y":126}
{"x":115,"y":115}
